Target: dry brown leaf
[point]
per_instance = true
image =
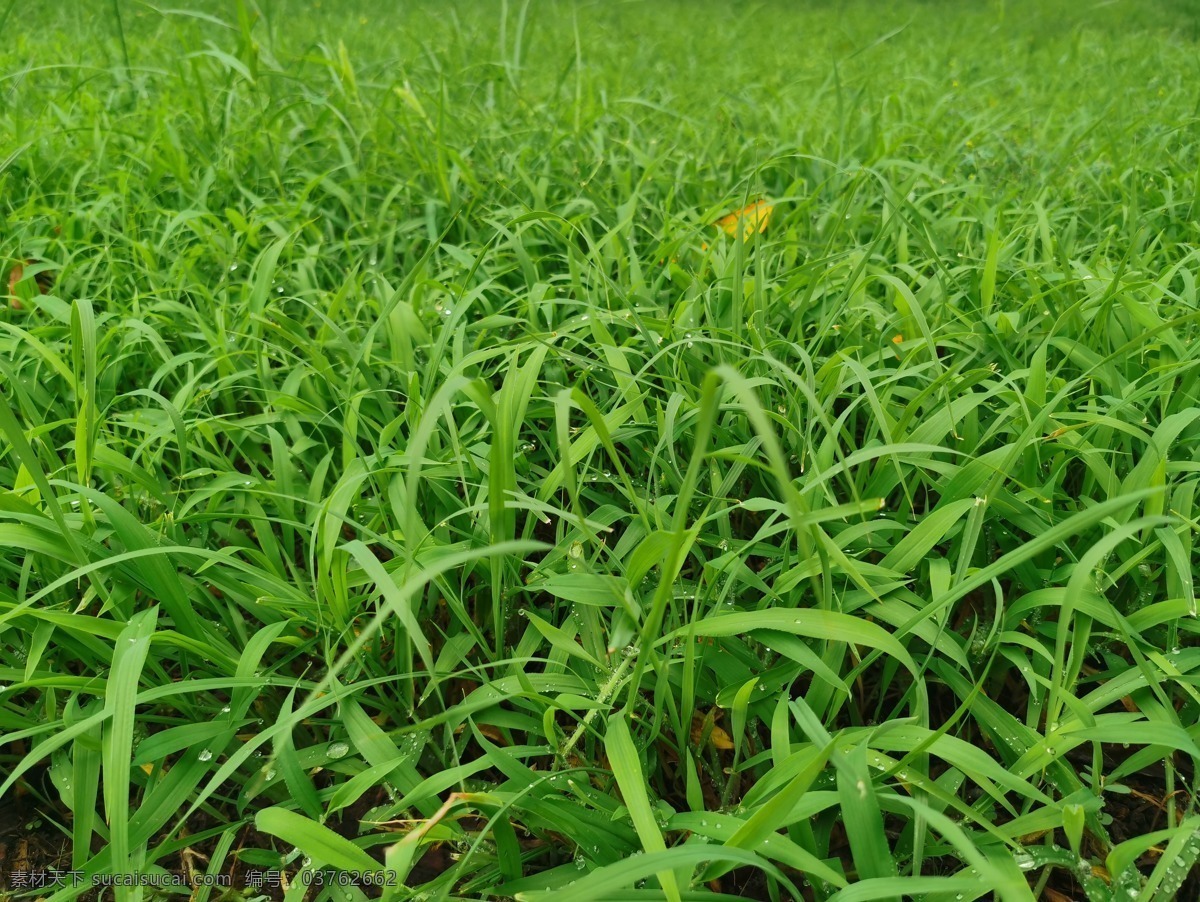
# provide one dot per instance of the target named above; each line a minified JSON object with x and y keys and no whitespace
{"x":43,"y":281}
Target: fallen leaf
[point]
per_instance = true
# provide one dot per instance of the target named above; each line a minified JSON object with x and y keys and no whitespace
{"x":748,"y":220}
{"x":44,"y":281}
{"x":717,"y":737}
{"x":15,"y":275}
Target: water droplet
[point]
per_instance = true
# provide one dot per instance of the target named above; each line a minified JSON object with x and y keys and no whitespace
{"x":206,"y":755}
{"x":723,"y":544}
{"x":576,"y":549}
{"x":233,"y":267}
{"x":225,"y":710}
{"x":629,"y":651}
{"x":338,"y":750}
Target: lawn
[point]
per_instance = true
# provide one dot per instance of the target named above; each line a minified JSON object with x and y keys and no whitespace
{"x":599,"y":450}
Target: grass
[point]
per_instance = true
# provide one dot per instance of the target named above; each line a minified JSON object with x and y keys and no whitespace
{"x":407,"y":492}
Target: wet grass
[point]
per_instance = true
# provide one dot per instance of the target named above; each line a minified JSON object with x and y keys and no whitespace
{"x":404,"y":483}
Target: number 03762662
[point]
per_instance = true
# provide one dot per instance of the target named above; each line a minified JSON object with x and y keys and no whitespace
{"x":348,"y":878}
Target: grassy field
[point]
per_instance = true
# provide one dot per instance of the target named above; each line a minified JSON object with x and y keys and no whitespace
{"x":416,"y":482}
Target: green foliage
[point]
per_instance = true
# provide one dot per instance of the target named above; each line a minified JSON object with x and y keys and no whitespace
{"x":400,"y":474}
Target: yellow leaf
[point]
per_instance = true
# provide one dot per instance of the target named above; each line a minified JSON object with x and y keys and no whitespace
{"x":720,"y":739}
{"x":702,"y":723}
{"x":748,"y":220}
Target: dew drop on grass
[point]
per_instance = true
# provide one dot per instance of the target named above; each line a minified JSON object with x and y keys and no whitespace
{"x":723,"y":544}
{"x":338,"y":750}
{"x":576,"y":549}
{"x":225,"y":710}
{"x":629,"y":651}
{"x":233,"y":267}
{"x":206,"y":755}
